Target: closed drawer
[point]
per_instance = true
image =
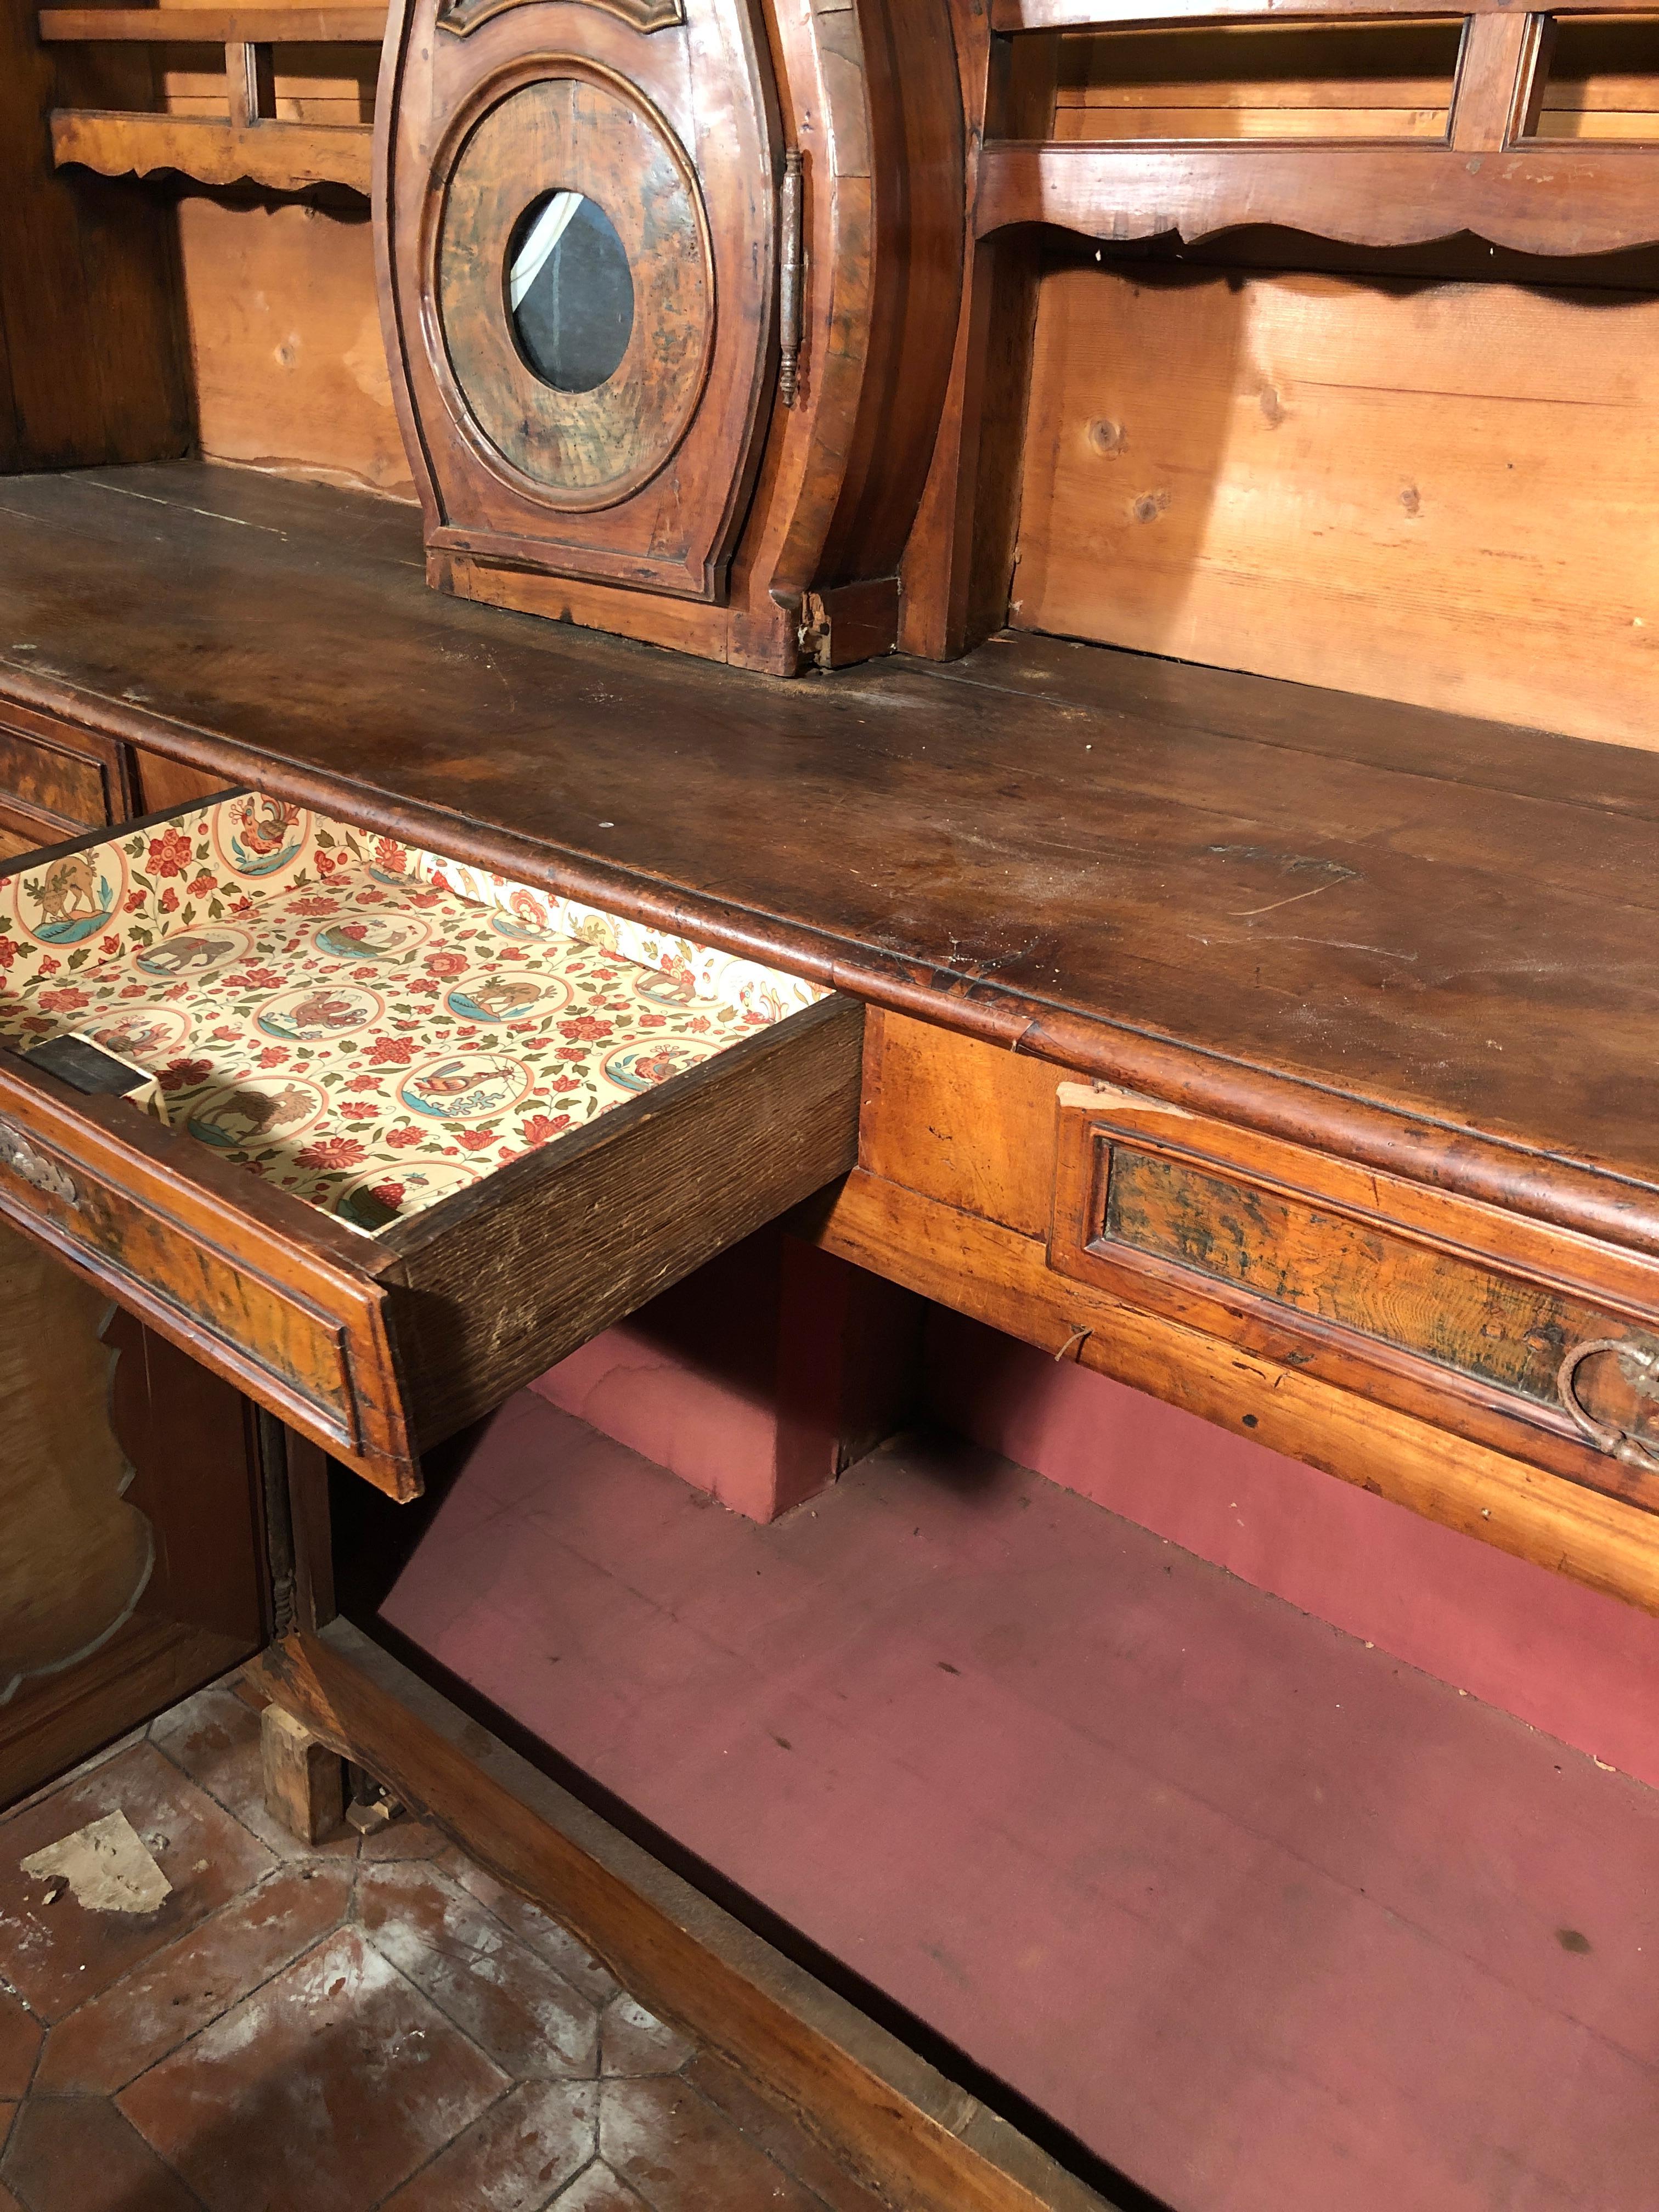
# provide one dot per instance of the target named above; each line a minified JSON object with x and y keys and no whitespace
{"x":1538,"y":1341}
{"x":55,"y":779}
{"x":399,"y":1134}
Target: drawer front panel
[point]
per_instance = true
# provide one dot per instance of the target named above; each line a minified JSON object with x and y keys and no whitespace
{"x":1534,"y":1340}
{"x":1437,"y":1304}
{"x":67,"y":787}
{"x":135,"y":1207}
{"x":431,"y":1129}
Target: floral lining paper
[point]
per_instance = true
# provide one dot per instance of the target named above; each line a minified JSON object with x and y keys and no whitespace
{"x":370,"y":1025}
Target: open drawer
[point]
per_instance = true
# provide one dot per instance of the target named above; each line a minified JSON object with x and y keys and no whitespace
{"x":377,"y":1135}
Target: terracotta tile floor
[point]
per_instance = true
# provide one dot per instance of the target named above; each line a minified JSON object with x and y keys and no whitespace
{"x":333,"y":2029}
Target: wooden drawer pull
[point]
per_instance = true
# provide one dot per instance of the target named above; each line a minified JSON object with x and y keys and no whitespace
{"x":22,"y":1158}
{"x":1640,"y":1363}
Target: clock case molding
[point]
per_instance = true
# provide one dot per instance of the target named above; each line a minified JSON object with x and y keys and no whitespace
{"x":757,"y":529}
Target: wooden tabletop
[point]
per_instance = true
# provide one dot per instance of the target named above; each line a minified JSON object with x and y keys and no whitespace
{"x":1428,"y":940}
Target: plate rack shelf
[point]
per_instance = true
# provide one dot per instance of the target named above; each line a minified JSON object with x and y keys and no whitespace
{"x":250,"y":143}
{"x":1488,"y":173}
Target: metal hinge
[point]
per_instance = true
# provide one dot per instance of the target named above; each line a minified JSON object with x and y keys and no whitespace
{"x":791,"y":275}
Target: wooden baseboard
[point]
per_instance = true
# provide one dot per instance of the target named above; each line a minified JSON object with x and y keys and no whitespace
{"x":887,"y":2116}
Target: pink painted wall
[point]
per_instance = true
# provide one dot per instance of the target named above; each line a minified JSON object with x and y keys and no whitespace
{"x":695,"y":1382}
{"x":691,"y":1381}
{"x":1580,"y":1666}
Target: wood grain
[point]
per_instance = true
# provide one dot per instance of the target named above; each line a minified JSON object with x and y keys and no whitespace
{"x":304,"y":1787}
{"x":1576,"y":198}
{"x":285,"y":339}
{"x":113,"y":1405}
{"x":92,"y":358}
{"x":506,"y":1280}
{"x":1374,"y":79}
{"x":1014,"y":16}
{"x":263,"y":1289}
{"x":1295,"y":474}
{"x":77,"y":1555}
{"x":299,"y":26}
{"x":288,"y":157}
{"x":1089,"y":855}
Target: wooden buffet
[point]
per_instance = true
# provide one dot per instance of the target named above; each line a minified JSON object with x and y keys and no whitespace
{"x":1284,"y":1051}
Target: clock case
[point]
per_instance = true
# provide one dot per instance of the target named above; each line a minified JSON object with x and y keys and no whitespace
{"x":743,"y":486}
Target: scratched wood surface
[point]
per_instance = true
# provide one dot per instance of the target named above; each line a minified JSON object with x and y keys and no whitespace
{"x":1362,"y":921}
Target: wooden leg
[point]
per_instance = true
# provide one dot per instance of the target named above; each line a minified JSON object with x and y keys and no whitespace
{"x":302,"y":1776}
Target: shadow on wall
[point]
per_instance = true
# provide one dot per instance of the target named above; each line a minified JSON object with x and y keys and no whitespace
{"x":1580,"y":1665}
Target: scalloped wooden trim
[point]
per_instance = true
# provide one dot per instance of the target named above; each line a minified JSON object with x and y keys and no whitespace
{"x":1551,"y":200}
{"x":286,"y":157}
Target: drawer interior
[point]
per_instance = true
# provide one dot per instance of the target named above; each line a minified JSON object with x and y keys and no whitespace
{"x":372,"y":1027}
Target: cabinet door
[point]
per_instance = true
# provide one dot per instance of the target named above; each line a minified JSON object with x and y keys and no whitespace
{"x":578,"y":210}
{"x":133,"y":1567}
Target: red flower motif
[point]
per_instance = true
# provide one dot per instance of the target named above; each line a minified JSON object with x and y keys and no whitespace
{"x":390,"y":1194}
{"x":224,"y":1035}
{"x":109,"y":944}
{"x":444,"y":964}
{"x":392,"y":1051}
{"x":169,"y":900}
{"x":204,"y":884}
{"x":425,"y":898}
{"x":364,"y":1083}
{"x":169,"y":853}
{"x":134,"y":991}
{"x":181,"y":1074}
{"x":357,"y":1107}
{"x":390,"y":857}
{"x":474,"y":1141}
{"x":372,"y":898}
{"x":314,"y":906}
{"x":539,"y":1129}
{"x":257,"y":979}
{"x":699,"y":1024}
{"x":274,"y":1055}
{"x":326,"y":864}
{"x":331,"y":1152}
{"x":402,"y":1137}
{"x":584,"y":1025}
{"x":8,"y":952}
{"x":49,"y":966}
{"x":62,"y":1002}
{"x":653,"y":1021}
{"x":562,"y":1083}
{"x":135,"y":900}
{"x":572,"y":1051}
{"x":243,"y":905}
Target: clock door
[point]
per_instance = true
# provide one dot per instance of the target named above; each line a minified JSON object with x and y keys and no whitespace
{"x":577,"y":210}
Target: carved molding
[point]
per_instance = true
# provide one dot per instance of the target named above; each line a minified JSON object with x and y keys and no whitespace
{"x":642,"y":15}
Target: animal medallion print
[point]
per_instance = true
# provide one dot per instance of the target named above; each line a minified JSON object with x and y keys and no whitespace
{"x":486,"y":996}
{"x":255,"y":836}
{"x":250,"y":1109}
{"x":372,"y":937}
{"x":469,"y":1087}
{"x":639,"y":1067}
{"x":151,"y":1033}
{"x":371,"y":1027}
{"x":319,"y":1010}
{"x":193,"y":952}
{"x":73,"y":898}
